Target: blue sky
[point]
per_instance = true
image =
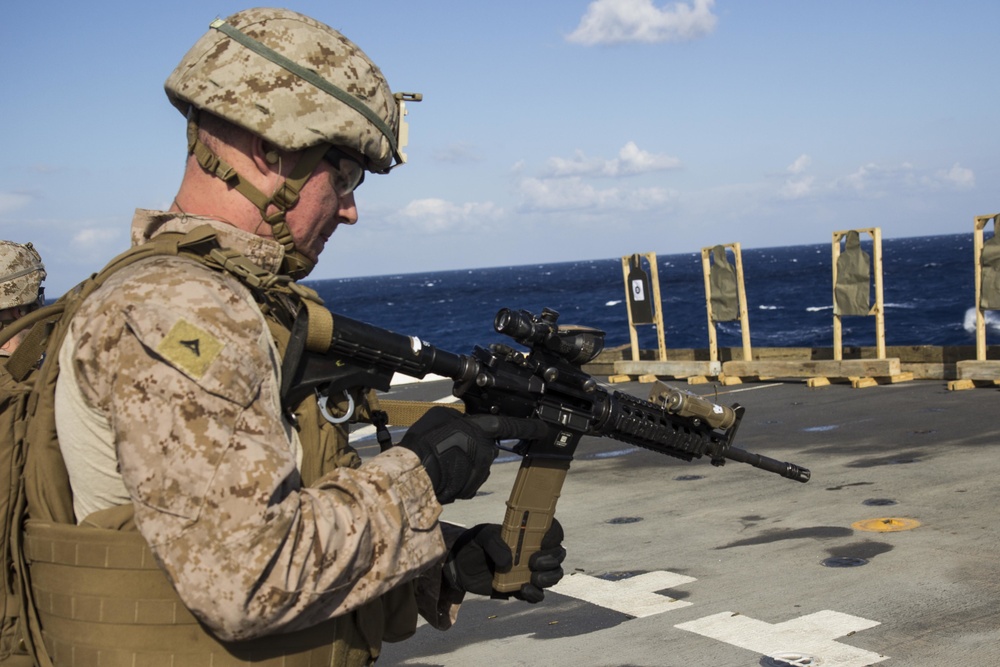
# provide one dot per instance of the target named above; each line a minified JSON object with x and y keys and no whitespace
{"x":549,"y":131}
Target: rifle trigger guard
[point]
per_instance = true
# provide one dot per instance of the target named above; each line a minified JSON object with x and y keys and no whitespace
{"x":322,"y":399}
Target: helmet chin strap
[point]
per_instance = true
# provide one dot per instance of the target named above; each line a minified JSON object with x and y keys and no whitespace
{"x":294,"y":264}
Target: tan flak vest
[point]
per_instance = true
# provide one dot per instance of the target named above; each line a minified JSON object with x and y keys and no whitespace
{"x":93,"y":595}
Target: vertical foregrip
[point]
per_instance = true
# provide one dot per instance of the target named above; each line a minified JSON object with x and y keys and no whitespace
{"x":530,"y":509}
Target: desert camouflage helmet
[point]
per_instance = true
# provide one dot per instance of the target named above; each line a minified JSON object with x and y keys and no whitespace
{"x":301,"y":86}
{"x":21,"y":274}
{"x":293,"y":81}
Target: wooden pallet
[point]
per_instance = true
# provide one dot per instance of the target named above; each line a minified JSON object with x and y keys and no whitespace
{"x":860,"y":382}
{"x":972,"y":374}
{"x":859,"y":372}
{"x":649,"y":371}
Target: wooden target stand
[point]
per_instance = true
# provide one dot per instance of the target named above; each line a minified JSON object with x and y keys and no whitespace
{"x":981,"y":372}
{"x":643,"y":310}
{"x":859,"y":372}
{"x":863,"y":372}
{"x":744,"y":318}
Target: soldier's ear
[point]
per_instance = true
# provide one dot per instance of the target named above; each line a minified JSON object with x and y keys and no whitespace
{"x":266,"y":157}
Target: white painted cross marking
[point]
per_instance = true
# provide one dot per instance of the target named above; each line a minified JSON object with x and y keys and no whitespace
{"x":633,"y":596}
{"x":813,"y":634}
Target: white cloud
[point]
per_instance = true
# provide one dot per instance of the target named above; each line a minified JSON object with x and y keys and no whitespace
{"x":563,"y":194}
{"x":873,"y":180}
{"x":958,"y":177}
{"x":434,"y":216}
{"x":577,"y":165}
{"x":800,"y":164}
{"x":645,"y":199}
{"x":457,"y":153}
{"x":797,"y":185}
{"x":859,"y":180}
{"x":12,"y":201}
{"x":572,"y":194}
{"x":797,"y":188}
{"x":631,"y":160}
{"x":95,"y":237}
{"x":617,"y":21}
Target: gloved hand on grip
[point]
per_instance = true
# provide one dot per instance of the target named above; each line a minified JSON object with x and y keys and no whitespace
{"x":480,"y":552}
{"x":457,"y":449}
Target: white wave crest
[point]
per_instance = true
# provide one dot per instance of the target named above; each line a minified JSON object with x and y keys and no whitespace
{"x":992,"y":318}
{"x":613,"y":303}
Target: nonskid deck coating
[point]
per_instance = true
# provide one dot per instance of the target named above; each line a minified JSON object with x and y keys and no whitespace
{"x":751,"y":546}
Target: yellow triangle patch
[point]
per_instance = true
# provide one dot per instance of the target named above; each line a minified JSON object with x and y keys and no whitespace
{"x":190,"y":348}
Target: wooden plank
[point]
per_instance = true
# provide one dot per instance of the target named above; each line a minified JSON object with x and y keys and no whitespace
{"x":978,"y":241}
{"x":960,"y":385}
{"x":879,"y":300}
{"x":654,"y":278}
{"x":706,"y":272}
{"x":677,"y":369}
{"x":926,"y":362}
{"x":978,"y":370}
{"x":617,"y":379}
{"x":783,"y":368}
{"x":929,"y":371}
{"x":741,"y":294}
{"x":633,"y":333}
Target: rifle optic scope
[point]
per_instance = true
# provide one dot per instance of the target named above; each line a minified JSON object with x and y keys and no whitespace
{"x":575,"y":344}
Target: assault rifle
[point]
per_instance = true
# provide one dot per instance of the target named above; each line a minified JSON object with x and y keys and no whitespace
{"x":546,"y":383}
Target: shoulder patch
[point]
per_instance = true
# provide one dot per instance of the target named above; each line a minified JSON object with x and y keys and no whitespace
{"x":189,"y":347}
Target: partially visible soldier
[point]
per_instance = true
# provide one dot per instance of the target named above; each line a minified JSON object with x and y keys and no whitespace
{"x":21,"y":291}
{"x":261,"y":536}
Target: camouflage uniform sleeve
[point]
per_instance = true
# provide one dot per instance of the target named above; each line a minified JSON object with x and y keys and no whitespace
{"x":180,"y":360}
{"x":437,"y":601}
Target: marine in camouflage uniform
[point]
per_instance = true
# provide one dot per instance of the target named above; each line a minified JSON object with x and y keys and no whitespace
{"x":21,"y":291}
{"x":208,"y":459}
{"x":167,"y":404}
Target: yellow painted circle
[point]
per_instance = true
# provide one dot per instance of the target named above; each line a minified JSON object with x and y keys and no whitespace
{"x":886,"y":525}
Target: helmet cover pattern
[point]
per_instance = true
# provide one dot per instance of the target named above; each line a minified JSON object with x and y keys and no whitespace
{"x":21,"y":274}
{"x":229,"y":80}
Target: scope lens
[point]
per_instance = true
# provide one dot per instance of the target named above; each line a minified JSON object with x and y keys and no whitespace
{"x":502,"y":321}
{"x":518,"y":326}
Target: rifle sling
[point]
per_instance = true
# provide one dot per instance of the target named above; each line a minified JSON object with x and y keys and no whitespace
{"x":405,"y":413}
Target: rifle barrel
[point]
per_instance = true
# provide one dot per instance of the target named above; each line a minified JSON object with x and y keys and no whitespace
{"x":783,"y":468}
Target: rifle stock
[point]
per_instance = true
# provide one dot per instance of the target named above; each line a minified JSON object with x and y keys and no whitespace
{"x":548,"y":384}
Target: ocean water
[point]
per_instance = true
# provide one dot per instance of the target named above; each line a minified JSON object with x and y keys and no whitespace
{"x":928,"y":288}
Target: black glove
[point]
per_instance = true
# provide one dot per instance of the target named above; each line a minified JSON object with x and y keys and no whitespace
{"x":457,"y":449}
{"x":480,"y":552}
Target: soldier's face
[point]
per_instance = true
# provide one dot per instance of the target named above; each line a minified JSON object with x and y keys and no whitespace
{"x":8,"y":315}
{"x":319,"y":211}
